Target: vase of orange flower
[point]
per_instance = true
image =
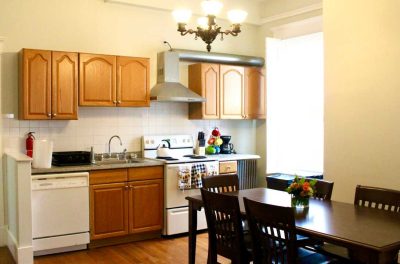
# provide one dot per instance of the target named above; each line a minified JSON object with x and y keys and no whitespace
{"x":301,"y":190}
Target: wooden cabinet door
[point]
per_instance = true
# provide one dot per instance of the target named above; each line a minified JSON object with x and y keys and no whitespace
{"x":108,"y":210}
{"x":204,"y":80}
{"x":254,"y":93}
{"x":133,"y":81}
{"x":35,"y":87}
{"x":65,"y":85}
{"x":231,"y":92}
{"x":146,"y":205}
{"x":97,"y":85}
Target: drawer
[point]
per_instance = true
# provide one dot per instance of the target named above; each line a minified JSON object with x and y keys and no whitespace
{"x":146,"y":173}
{"x":226,"y":167}
{"x":108,"y":176}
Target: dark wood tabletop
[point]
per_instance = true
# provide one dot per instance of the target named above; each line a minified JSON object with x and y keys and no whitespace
{"x":336,"y":222}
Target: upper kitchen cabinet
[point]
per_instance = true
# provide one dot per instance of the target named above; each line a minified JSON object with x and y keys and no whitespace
{"x":107,"y":80}
{"x":254,"y":104}
{"x":64,"y":103}
{"x":231,"y":92}
{"x":49,"y":85}
{"x":97,"y":86}
{"x":133,"y":81}
{"x":204,"y":80}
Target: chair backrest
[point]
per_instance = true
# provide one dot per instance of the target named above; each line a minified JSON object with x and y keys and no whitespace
{"x":323,"y":190}
{"x":378,"y":198}
{"x":225,"y":231}
{"x":273,"y":232}
{"x":221,"y":183}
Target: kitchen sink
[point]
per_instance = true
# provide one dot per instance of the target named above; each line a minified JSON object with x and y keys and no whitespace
{"x":118,"y":161}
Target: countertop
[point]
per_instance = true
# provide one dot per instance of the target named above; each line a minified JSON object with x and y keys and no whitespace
{"x":226,"y":157}
{"x":61,"y":169}
{"x":142,"y":163}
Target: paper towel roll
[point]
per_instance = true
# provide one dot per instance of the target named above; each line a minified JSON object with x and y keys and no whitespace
{"x":42,"y":153}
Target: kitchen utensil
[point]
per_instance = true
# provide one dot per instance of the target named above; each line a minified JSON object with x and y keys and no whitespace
{"x":163,"y":150}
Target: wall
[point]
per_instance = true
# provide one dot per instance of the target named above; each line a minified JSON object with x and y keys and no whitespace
{"x":362,"y":142}
{"x":98,"y":27}
{"x":96,"y":125}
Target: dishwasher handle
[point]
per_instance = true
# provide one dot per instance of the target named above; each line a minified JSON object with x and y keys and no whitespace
{"x":60,"y":181}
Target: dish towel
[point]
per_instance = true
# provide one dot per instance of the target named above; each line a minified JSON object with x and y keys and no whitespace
{"x":198,"y":171}
{"x":184,"y":177}
{"x":211,"y":169}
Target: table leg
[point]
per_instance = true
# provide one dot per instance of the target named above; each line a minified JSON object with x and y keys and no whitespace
{"x":192,"y":233}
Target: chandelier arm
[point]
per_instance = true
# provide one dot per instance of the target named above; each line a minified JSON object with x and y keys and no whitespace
{"x":230,"y":32}
{"x":189,"y":31}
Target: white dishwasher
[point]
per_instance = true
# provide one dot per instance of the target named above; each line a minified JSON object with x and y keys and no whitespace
{"x":60,"y":212}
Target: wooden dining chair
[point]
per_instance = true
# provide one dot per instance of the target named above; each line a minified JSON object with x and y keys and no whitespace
{"x":221,"y":183}
{"x":273,"y":232}
{"x":225,"y":232}
{"x":378,"y":198}
{"x":323,"y":190}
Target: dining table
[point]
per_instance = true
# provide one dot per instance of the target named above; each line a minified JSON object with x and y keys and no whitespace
{"x":371,"y":235}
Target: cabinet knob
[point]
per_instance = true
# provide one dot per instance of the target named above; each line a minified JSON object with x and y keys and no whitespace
{"x":114,"y":102}
{"x":54,"y":115}
{"x":49,"y":115}
{"x":126,"y":187}
{"x":118,"y":102}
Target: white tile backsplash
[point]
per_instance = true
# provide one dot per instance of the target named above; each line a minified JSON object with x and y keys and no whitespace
{"x":96,"y":125}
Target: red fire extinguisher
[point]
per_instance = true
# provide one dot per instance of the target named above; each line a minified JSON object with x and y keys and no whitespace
{"x":29,"y":144}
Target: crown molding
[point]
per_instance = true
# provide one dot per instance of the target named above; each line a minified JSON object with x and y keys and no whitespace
{"x":292,"y":13}
{"x":252,"y":18}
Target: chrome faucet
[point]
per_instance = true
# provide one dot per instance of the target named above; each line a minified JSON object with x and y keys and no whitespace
{"x":109,"y":143}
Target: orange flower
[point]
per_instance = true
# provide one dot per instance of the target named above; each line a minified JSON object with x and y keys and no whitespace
{"x":306,"y":187}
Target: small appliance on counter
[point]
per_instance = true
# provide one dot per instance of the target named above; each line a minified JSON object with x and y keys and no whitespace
{"x":226,"y":147}
{"x":71,"y":158}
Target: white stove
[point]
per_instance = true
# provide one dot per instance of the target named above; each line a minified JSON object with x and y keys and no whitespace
{"x":181,"y":149}
{"x":176,"y":212}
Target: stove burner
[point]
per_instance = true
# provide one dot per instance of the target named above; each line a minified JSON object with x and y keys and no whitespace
{"x":192,"y":156}
{"x":166,"y":158}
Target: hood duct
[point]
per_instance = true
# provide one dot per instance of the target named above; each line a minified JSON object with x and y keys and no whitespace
{"x":168,"y":88}
{"x":223,"y":58}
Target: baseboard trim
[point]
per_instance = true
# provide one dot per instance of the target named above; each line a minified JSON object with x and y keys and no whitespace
{"x":20,"y":254}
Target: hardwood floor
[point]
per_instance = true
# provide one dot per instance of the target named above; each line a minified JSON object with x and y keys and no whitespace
{"x":5,"y":256}
{"x":173,"y":250}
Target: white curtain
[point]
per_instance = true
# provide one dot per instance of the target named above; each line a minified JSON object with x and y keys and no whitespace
{"x":295,"y":104}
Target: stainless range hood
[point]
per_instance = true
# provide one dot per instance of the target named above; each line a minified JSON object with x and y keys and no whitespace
{"x":168,"y":88}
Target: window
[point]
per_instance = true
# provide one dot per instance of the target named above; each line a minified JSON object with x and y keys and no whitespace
{"x":295,"y":104}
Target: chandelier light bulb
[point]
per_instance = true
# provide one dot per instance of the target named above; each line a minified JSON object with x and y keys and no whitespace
{"x":237,"y":16}
{"x":202,"y":22}
{"x":211,"y":7}
{"x":182,"y":15}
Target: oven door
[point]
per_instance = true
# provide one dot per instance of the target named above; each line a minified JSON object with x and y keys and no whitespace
{"x":174,"y":197}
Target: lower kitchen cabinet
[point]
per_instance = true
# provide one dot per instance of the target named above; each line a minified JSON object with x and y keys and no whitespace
{"x":121,"y":205}
{"x":108,"y":210}
{"x":146,"y":205}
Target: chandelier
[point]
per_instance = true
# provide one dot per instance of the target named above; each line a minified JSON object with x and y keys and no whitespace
{"x":207,"y":28}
